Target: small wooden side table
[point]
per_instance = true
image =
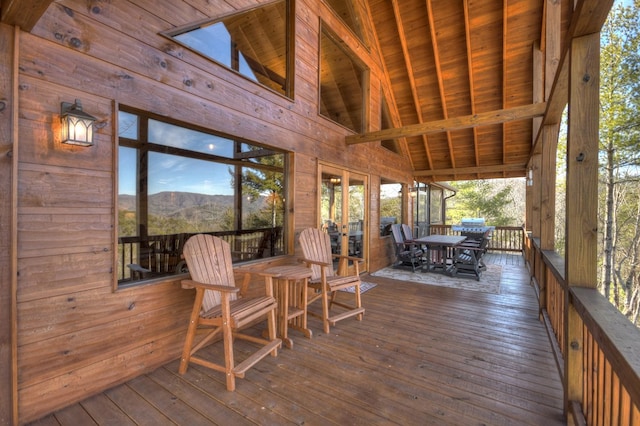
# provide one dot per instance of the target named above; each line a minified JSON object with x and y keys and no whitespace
{"x":290,"y":290}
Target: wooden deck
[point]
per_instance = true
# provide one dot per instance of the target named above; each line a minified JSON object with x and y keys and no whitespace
{"x":422,"y":355}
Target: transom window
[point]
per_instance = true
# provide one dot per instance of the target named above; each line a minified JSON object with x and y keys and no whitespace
{"x":350,"y":15}
{"x":175,"y":180}
{"x":254,"y":43}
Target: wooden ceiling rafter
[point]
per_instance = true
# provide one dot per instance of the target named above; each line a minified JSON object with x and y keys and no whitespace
{"x":438,"y":67}
{"x":410,"y":75}
{"x":505,"y":19}
{"x":387,"y":91}
{"x":472,"y":100}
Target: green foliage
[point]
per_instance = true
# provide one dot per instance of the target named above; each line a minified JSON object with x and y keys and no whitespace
{"x":391,"y":206}
{"x":481,"y":198}
{"x":619,"y":204}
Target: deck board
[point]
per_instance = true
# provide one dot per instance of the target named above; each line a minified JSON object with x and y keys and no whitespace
{"x":421,"y":355}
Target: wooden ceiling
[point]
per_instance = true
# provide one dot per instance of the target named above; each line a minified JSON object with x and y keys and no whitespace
{"x":461,"y":78}
{"x":460,"y":73}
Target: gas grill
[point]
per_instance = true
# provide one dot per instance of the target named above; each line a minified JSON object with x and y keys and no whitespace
{"x":473,"y":228}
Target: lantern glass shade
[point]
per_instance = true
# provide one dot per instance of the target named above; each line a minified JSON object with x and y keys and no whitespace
{"x":77,"y":125}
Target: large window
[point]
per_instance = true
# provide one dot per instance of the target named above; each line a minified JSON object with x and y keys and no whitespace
{"x":176,"y":180}
{"x":342,"y":83}
{"x":254,"y":43}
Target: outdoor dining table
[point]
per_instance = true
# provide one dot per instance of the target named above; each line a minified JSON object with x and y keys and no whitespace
{"x":439,"y":251}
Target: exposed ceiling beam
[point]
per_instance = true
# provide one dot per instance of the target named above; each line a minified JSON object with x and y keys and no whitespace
{"x":23,"y":13}
{"x":457,"y":123}
{"x":472,"y":170}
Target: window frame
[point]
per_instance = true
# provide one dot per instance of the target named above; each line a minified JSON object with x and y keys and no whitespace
{"x":398,"y":218}
{"x":330,"y":34}
{"x":123,"y":279}
{"x":289,"y":27}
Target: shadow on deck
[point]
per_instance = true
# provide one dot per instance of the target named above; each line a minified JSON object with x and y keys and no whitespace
{"x":422,"y":355}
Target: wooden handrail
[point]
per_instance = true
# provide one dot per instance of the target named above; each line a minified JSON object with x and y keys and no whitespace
{"x":610,"y":346}
{"x":159,"y":255}
{"x":503,"y":238}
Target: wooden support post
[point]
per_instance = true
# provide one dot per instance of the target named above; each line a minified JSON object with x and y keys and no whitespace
{"x":582,"y":198}
{"x":9,"y":44}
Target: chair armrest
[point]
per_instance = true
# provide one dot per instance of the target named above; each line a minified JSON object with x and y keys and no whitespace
{"x":352,"y":258}
{"x":316,"y":262}
{"x":247,"y":271}
{"x":189,"y":284}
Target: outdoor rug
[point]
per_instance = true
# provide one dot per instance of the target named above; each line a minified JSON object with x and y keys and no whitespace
{"x":489,"y":279}
{"x":364,"y":286}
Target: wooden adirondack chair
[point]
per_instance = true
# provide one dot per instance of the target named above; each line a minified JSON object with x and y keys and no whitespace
{"x":325,"y":281}
{"x":218,"y":309}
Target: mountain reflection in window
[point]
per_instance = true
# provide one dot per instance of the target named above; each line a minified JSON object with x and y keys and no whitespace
{"x":253,"y":43}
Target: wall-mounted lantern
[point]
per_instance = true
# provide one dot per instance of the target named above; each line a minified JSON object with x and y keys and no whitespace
{"x":77,"y":125}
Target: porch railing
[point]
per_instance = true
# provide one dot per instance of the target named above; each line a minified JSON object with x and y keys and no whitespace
{"x":596,"y":346}
{"x":160,"y":255}
{"x":503,"y":238}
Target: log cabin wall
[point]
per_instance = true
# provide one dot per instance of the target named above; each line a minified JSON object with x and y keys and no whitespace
{"x":76,"y":335}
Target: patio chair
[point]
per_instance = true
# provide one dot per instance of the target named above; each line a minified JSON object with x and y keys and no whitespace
{"x":221,"y":311}
{"x":468,"y":258}
{"x":325,"y":281}
{"x":408,"y":252}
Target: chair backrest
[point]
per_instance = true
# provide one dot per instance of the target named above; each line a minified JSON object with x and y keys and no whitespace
{"x":316,"y":246}
{"x":209,"y":261}
{"x":406,"y":231}
{"x":396,"y":231}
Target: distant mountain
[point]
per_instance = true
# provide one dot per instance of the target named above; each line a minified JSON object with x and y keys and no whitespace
{"x":186,"y":204}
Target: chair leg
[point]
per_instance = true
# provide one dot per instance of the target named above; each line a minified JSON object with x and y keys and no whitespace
{"x":227,"y":337}
{"x":325,"y":310}
{"x":358,"y":301}
{"x":271,"y":326}
{"x":191,"y":332}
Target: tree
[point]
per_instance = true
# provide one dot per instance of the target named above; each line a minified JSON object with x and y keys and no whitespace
{"x":265,"y":183}
{"x":620,"y":156}
{"x":495,"y":201}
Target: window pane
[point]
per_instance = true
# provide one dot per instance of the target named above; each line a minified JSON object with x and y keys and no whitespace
{"x":127,"y":125}
{"x":341,"y":85}
{"x":188,"y":195}
{"x":262,"y":197}
{"x":166,"y":195}
{"x":127,"y":202}
{"x":385,"y":123}
{"x":349,"y":14}
{"x":180,"y":137}
{"x":254,"y":43}
{"x":390,"y":206}
{"x":436,"y":206}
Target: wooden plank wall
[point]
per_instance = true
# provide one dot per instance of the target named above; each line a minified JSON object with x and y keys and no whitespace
{"x":6,"y":220}
{"x":76,"y":335}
